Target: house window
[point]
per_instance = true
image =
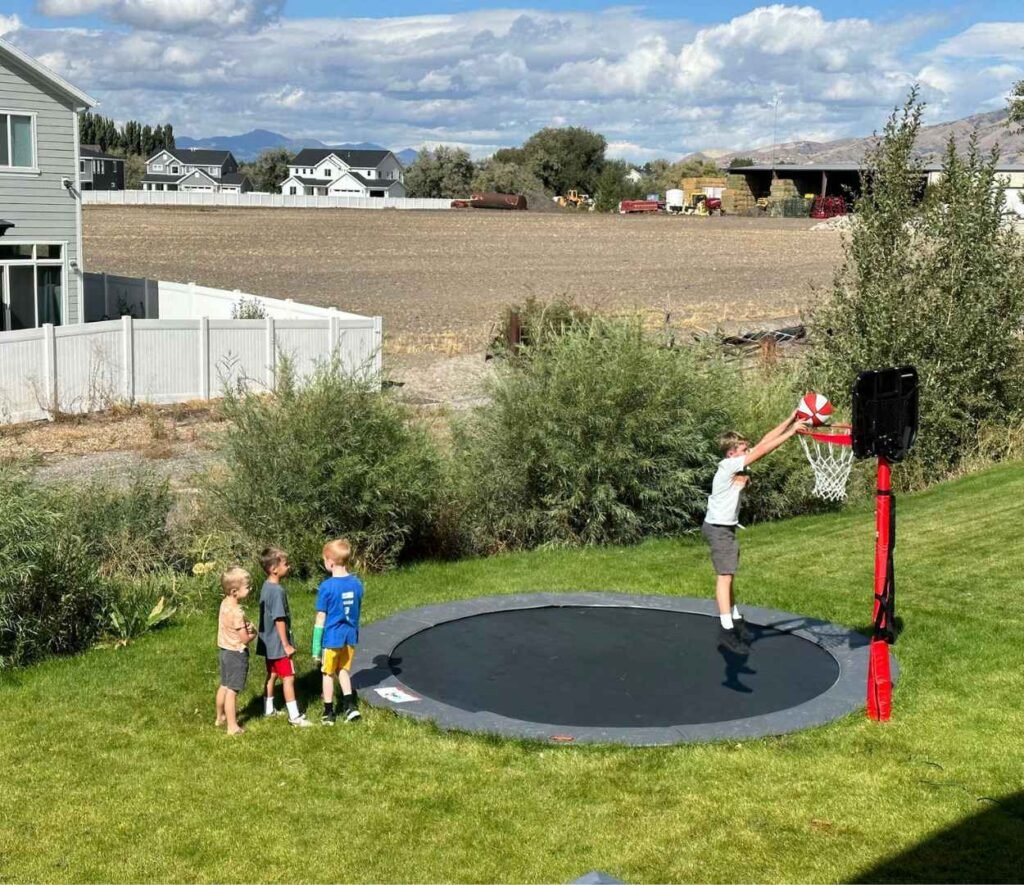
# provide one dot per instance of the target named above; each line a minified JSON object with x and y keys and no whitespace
{"x":293,"y":189}
{"x":175,"y":170}
{"x":81,"y":165}
{"x":31,"y":285}
{"x":158,"y":167}
{"x":327,"y":172}
{"x":17,"y":141}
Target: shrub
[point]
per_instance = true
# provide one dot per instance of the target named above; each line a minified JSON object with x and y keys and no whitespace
{"x":248,"y":309}
{"x":52,"y":601}
{"x":333,"y":456}
{"x":125,"y":530}
{"x":535,"y":323}
{"x":599,"y":435}
{"x":938,"y":284}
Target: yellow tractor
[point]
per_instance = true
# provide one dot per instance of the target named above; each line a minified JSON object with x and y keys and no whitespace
{"x":575,"y":200}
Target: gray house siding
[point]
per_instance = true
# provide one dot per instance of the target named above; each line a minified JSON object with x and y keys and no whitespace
{"x":42,"y":209}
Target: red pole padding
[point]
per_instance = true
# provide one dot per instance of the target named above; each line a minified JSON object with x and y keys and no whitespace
{"x":879,"y":675}
{"x":879,"y":682}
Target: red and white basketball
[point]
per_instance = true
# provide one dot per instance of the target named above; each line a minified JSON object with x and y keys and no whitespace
{"x":815,"y":408}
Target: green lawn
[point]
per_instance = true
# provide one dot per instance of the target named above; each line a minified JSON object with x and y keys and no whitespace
{"x":112,"y":770}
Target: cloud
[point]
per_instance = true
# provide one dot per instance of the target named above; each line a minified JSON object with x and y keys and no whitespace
{"x":170,"y":15}
{"x":493,"y":77}
{"x":9,"y":23}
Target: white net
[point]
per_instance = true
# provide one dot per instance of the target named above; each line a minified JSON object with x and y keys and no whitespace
{"x":831,"y":463}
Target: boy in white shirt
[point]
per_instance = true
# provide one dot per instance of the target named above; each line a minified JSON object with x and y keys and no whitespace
{"x":722,"y":517}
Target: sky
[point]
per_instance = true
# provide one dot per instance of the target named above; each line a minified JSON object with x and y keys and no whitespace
{"x":657,"y":79}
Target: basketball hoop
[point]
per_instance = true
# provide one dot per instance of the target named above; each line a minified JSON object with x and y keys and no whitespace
{"x":830,"y":453}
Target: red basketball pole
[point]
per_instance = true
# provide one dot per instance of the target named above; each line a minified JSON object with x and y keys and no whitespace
{"x":879,"y":675}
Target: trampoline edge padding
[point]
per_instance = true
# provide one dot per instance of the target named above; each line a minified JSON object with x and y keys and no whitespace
{"x":378,"y":641}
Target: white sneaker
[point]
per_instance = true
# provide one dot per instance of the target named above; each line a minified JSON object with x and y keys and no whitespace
{"x":272,"y":714}
{"x":300,"y":722}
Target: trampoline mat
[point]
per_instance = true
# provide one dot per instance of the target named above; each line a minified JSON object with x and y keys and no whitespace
{"x":609,"y":666}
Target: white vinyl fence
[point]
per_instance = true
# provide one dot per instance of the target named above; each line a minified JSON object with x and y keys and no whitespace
{"x":91,"y":366}
{"x":254,"y":200}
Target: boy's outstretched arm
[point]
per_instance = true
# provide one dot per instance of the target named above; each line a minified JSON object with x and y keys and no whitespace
{"x":773,"y":439}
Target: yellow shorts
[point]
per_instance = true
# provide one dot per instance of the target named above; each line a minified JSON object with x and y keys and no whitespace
{"x":335,"y":659}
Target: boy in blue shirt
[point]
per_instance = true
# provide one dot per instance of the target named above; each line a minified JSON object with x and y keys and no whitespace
{"x":336,"y":629}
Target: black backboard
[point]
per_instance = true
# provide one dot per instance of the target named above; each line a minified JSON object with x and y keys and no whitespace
{"x":885,"y":413}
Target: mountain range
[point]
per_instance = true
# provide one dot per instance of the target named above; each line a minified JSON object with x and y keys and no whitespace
{"x":250,"y":145}
{"x":992,"y":128}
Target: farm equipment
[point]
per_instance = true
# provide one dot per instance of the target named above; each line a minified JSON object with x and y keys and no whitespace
{"x":491,"y":201}
{"x":575,"y":200}
{"x":828,"y":207}
{"x":703,"y":205}
{"x":639,"y":207}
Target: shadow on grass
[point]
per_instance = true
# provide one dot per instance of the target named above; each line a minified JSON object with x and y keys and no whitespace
{"x":987,"y":847}
{"x":308,"y":688}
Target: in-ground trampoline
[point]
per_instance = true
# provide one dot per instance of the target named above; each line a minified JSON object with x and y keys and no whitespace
{"x":609,"y":668}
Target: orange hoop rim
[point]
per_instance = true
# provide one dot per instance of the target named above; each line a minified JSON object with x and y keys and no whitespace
{"x":836,"y":434}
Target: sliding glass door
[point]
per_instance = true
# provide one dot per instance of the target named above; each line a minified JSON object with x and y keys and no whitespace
{"x":31,"y":286}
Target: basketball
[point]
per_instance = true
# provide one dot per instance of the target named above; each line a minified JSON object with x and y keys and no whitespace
{"x":815,"y":408}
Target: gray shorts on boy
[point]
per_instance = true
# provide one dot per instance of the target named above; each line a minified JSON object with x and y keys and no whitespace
{"x":234,"y":668}
{"x":725,"y":549}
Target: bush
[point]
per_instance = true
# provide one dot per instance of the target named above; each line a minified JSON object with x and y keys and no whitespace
{"x":938,"y":284}
{"x":124,"y":531}
{"x":534,"y":324}
{"x":331,"y":457}
{"x":599,"y":435}
{"x":52,"y":600}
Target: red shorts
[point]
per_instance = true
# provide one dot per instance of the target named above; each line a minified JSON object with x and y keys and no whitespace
{"x":282,"y":667}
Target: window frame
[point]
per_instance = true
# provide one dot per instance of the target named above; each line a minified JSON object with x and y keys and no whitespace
{"x":21,"y":170}
{"x":35,"y":263}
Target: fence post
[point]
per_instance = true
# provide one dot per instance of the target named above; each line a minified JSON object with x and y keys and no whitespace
{"x":333,"y":335}
{"x":204,"y":357}
{"x":191,"y":299}
{"x":128,"y":349}
{"x":106,"y":297}
{"x":378,"y":344}
{"x":50,"y":367}
{"x":271,"y":354}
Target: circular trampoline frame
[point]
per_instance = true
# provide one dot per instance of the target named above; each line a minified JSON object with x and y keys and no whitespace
{"x":378,"y":641}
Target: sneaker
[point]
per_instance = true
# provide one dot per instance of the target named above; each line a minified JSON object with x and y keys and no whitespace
{"x":743,"y":631}
{"x":300,"y":721}
{"x":328,"y":719}
{"x":730,"y":641}
{"x":352,"y":715}
{"x":273,"y":713}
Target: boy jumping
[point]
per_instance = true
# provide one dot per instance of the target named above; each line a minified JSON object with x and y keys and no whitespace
{"x":336,"y":629}
{"x":722,"y":517}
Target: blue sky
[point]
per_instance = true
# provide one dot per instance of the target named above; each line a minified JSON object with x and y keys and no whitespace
{"x":657,"y":79}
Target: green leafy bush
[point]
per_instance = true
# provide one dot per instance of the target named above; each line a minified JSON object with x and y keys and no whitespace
{"x":535,"y":323}
{"x":938,"y":284}
{"x":123,"y":530}
{"x":333,"y":456}
{"x":601,"y":435}
{"x":52,"y":601}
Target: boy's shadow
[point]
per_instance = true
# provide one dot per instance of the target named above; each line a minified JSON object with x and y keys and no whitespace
{"x":308,"y":688}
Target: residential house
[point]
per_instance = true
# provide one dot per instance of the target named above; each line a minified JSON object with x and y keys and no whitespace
{"x":100,"y":171}
{"x":195,"y":170}
{"x":345,"y":173}
{"x":40,"y":249}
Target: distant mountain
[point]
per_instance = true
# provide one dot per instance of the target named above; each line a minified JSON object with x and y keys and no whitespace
{"x":408,"y":156}
{"x":251,"y":144}
{"x":992,"y":129}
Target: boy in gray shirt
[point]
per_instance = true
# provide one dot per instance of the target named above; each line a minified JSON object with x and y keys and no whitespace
{"x":275,"y":641}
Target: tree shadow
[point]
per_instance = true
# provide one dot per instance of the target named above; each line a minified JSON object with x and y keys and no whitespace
{"x":986,"y":847}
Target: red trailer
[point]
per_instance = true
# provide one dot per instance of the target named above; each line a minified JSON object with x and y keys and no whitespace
{"x":635,"y":207}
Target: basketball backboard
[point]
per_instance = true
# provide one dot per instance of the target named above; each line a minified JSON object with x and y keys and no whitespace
{"x":885,"y":413}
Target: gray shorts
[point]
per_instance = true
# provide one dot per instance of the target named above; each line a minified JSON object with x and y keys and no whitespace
{"x":725,"y":549}
{"x":234,"y":668}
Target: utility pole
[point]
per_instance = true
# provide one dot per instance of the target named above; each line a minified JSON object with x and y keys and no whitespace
{"x":775,"y":120}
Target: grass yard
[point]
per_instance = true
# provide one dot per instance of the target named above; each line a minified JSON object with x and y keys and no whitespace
{"x":114,"y":772}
